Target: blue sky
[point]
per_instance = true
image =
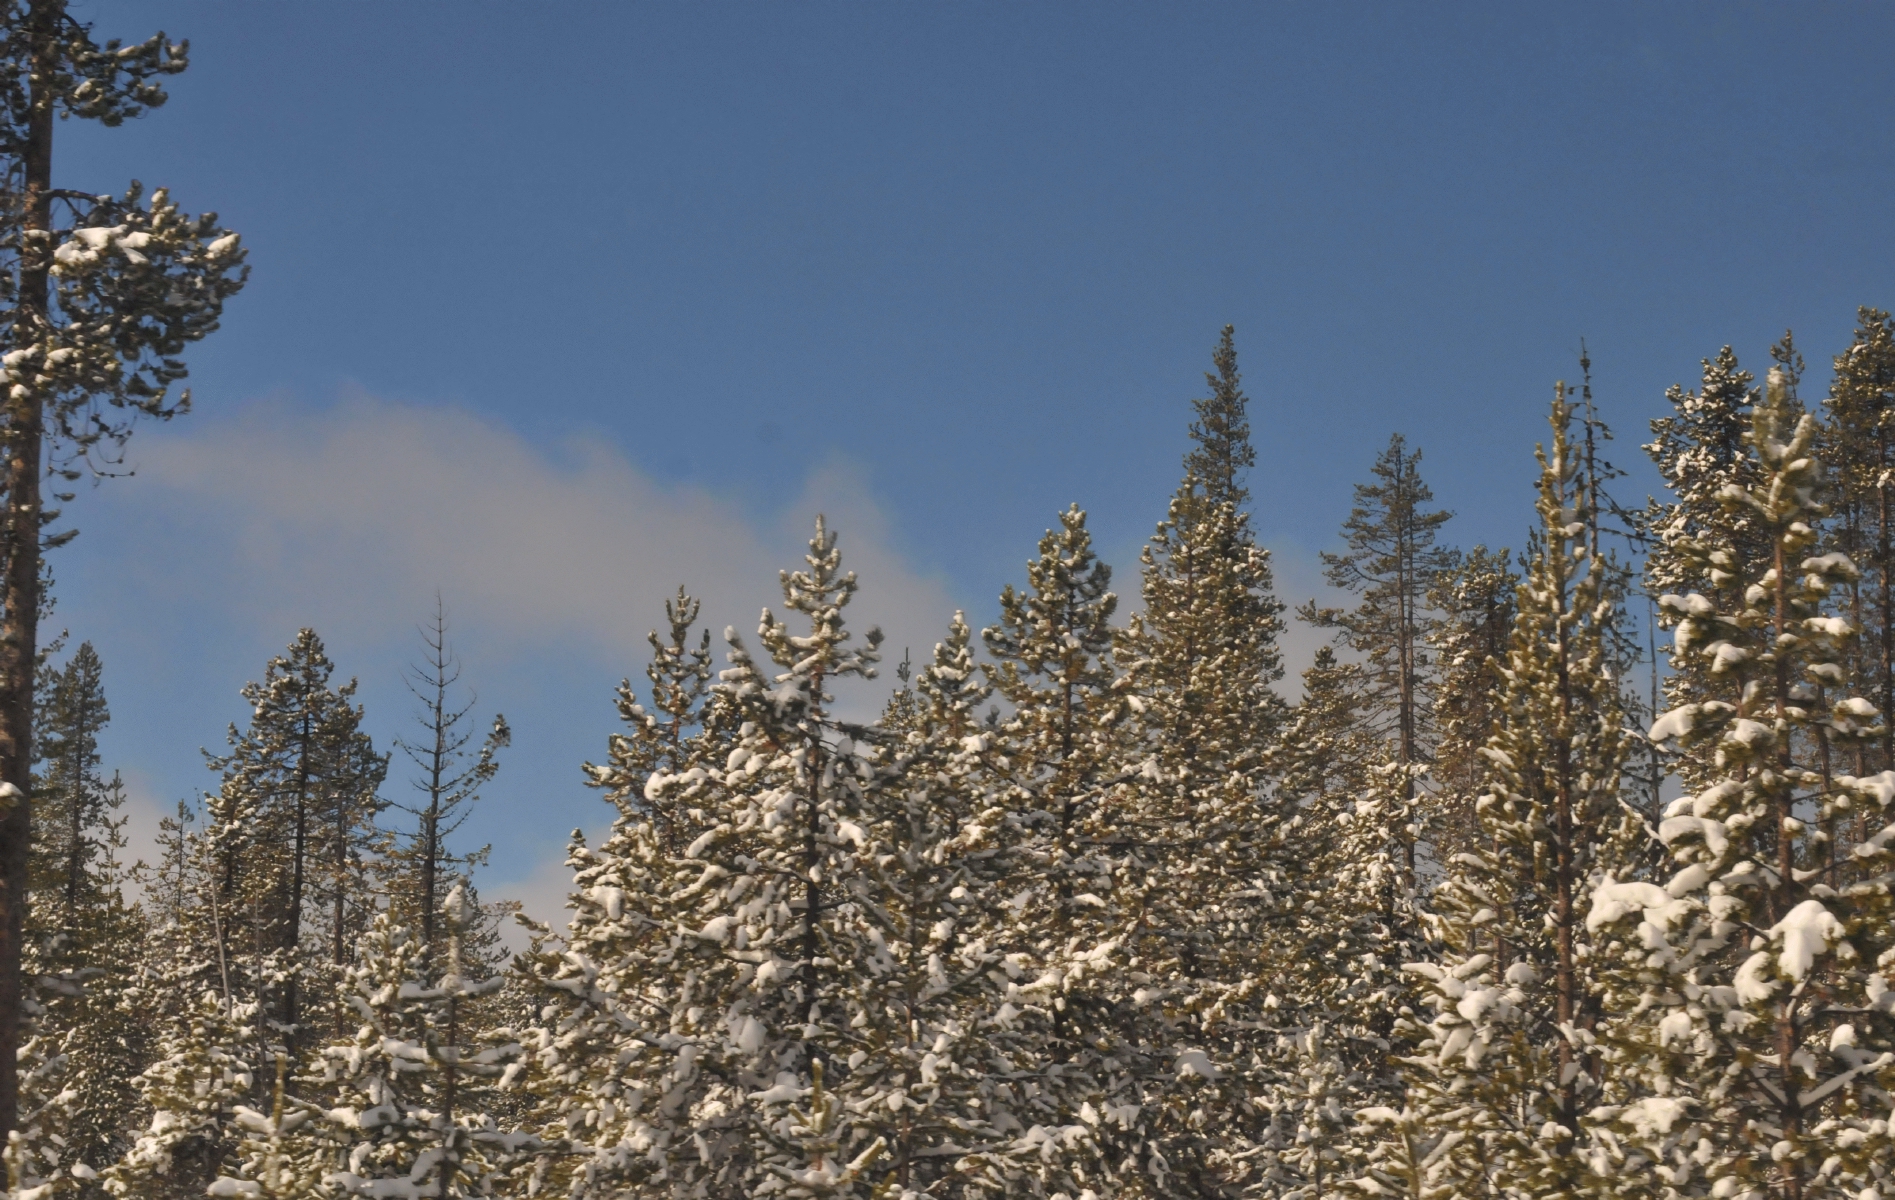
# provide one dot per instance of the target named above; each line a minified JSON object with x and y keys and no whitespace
{"x":555,"y":307}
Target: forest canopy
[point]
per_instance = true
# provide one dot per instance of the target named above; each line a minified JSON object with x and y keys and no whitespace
{"x":1497,"y":906}
{"x":1563,"y":871}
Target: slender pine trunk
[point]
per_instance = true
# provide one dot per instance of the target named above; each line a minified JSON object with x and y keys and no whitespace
{"x":19,"y":626}
{"x":1786,"y":1031}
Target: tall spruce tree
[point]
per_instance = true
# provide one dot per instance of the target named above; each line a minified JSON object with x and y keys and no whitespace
{"x":1509,"y":1059}
{"x":1477,"y":603}
{"x":290,"y":828}
{"x":1203,"y":654}
{"x":74,"y":803}
{"x":1753,"y":1046}
{"x":1391,"y":563}
{"x":101,"y":295}
{"x":1700,"y":450}
{"x":1200,"y":842}
{"x":1859,"y":443}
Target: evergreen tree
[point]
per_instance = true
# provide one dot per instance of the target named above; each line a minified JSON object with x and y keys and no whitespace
{"x":292,"y":825}
{"x":609,"y":983}
{"x":203,"y":1072}
{"x":73,"y":801}
{"x":964,"y":1049}
{"x":449,"y":781}
{"x":1860,"y":446}
{"x":403,"y":1099}
{"x":1201,"y":844}
{"x":1203,"y":654}
{"x":1326,"y":755}
{"x":38,"y":1154}
{"x":1509,"y":1059}
{"x":764,"y":1038}
{"x":1058,"y":761}
{"x":1700,"y":450}
{"x":1754,"y":1050}
{"x":1391,"y":563}
{"x":196,"y":987}
{"x":1341,"y":921}
{"x":101,"y":294}
{"x":669,"y":740}
{"x":85,"y":930}
{"x":1475,"y":597}
{"x":102,"y":1030}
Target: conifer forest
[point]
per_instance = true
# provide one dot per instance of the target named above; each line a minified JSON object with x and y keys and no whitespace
{"x":1564,"y":871}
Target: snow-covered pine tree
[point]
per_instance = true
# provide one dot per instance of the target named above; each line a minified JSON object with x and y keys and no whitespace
{"x":1059,"y":759}
{"x":607,"y":983}
{"x":402,"y":1100}
{"x":1324,"y":758}
{"x":1391,"y":562}
{"x":1753,"y":1051}
{"x":100,"y":1028}
{"x":823,"y":1006}
{"x":195,"y":989}
{"x":102,"y":294}
{"x":1341,"y":920}
{"x":289,"y":830}
{"x":423,"y":870}
{"x":976,"y":1120}
{"x":668,"y":738}
{"x":1202,"y":656}
{"x":84,"y":927}
{"x":1859,"y":445}
{"x":1475,"y":597}
{"x":1700,"y":450}
{"x":1200,"y":842}
{"x":203,"y":1072}
{"x":1631,"y":646}
{"x":1405,"y":1156}
{"x":74,"y":803}
{"x":1509,"y":1059}
{"x":39,"y":1158}
{"x":730,"y":971}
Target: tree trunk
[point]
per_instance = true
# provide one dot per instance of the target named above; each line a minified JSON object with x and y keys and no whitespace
{"x":1566,"y":858}
{"x":19,"y":626}
{"x":1790,"y":1109}
{"x":812,"y":847}
{"x":1886,"y":615}
{"x":293,"y":929}
{"x":431,"y":821}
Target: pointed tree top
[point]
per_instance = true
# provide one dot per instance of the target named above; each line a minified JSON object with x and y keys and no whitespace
{"x":1221,"y":433}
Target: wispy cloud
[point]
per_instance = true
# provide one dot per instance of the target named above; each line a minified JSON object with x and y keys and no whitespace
{"x":348,"y":518}
{"x":368,"y":507}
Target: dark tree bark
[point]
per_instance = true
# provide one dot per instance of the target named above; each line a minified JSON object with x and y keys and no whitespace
{"x":19,"y":626}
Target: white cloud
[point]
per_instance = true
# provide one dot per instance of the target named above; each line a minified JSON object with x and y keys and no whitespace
{"x":1299,"y":579}
{"x":348,"y":518}
{"x":542,"y":894}
{"x":142,"y":811}
{"x":365,"y":509}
